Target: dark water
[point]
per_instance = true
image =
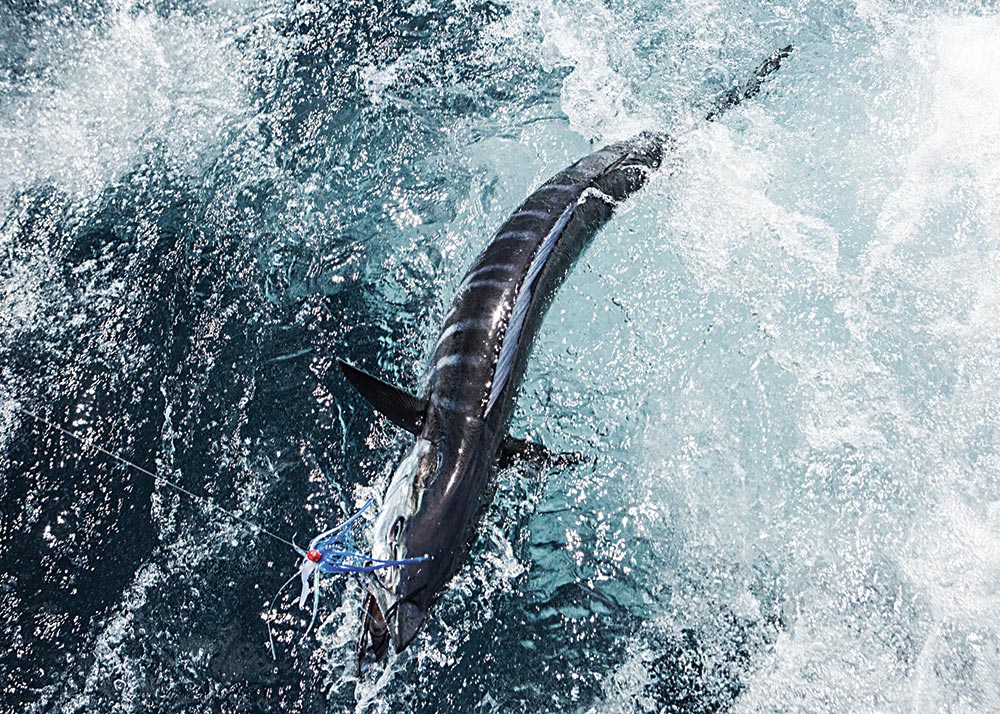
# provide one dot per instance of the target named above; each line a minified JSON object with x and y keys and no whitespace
{"x":186,"y":316}
{"x":782,"y":355}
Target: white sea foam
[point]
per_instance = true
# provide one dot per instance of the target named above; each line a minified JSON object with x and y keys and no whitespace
{"x":142,"y":85}
{"x":783,"y":351}
{"x":811,"y":311}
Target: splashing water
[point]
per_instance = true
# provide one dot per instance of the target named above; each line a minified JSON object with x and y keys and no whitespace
{"x":782,"y":353}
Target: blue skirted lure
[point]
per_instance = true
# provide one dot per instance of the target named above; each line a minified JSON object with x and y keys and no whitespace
{"x":334,"y":552}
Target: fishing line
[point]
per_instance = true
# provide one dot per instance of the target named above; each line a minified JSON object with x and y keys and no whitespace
{"x":198,"y":497}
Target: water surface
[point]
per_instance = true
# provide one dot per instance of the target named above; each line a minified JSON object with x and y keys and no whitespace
{"x":782,"y":353}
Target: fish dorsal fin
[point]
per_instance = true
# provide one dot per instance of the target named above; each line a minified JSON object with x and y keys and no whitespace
{"x":399,"y":407}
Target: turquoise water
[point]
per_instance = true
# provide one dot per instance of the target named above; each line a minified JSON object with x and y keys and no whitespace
{"x":782,"y":353}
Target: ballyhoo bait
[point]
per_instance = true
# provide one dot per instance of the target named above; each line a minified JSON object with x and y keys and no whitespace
{"x":333,"y":552}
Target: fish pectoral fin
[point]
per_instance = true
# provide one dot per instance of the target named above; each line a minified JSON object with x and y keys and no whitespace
{"x":514,"y":450}
{"x":401,"y":408}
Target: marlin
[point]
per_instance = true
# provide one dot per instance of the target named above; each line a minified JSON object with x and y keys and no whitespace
{"x":432,"y":507}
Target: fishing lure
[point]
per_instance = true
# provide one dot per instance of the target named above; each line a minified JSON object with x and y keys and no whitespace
{"x":334,"y":552}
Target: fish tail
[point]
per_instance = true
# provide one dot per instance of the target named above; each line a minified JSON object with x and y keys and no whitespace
{"x":734,"y":96}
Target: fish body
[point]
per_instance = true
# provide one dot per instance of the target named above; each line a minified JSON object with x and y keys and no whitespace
{"x":446,"y":480}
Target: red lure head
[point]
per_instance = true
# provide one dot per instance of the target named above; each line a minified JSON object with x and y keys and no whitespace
{"x":314,"y":555}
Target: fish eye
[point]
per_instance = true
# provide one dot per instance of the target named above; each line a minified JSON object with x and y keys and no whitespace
{"x":397,"y":528}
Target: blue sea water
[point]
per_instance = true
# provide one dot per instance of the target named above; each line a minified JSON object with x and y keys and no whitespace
{"x":782,"y":353}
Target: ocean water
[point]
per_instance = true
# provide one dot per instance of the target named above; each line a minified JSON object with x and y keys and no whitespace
{"x":781,"y":354}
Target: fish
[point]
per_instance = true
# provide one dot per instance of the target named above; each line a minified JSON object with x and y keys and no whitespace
{"x":432,"y":507}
